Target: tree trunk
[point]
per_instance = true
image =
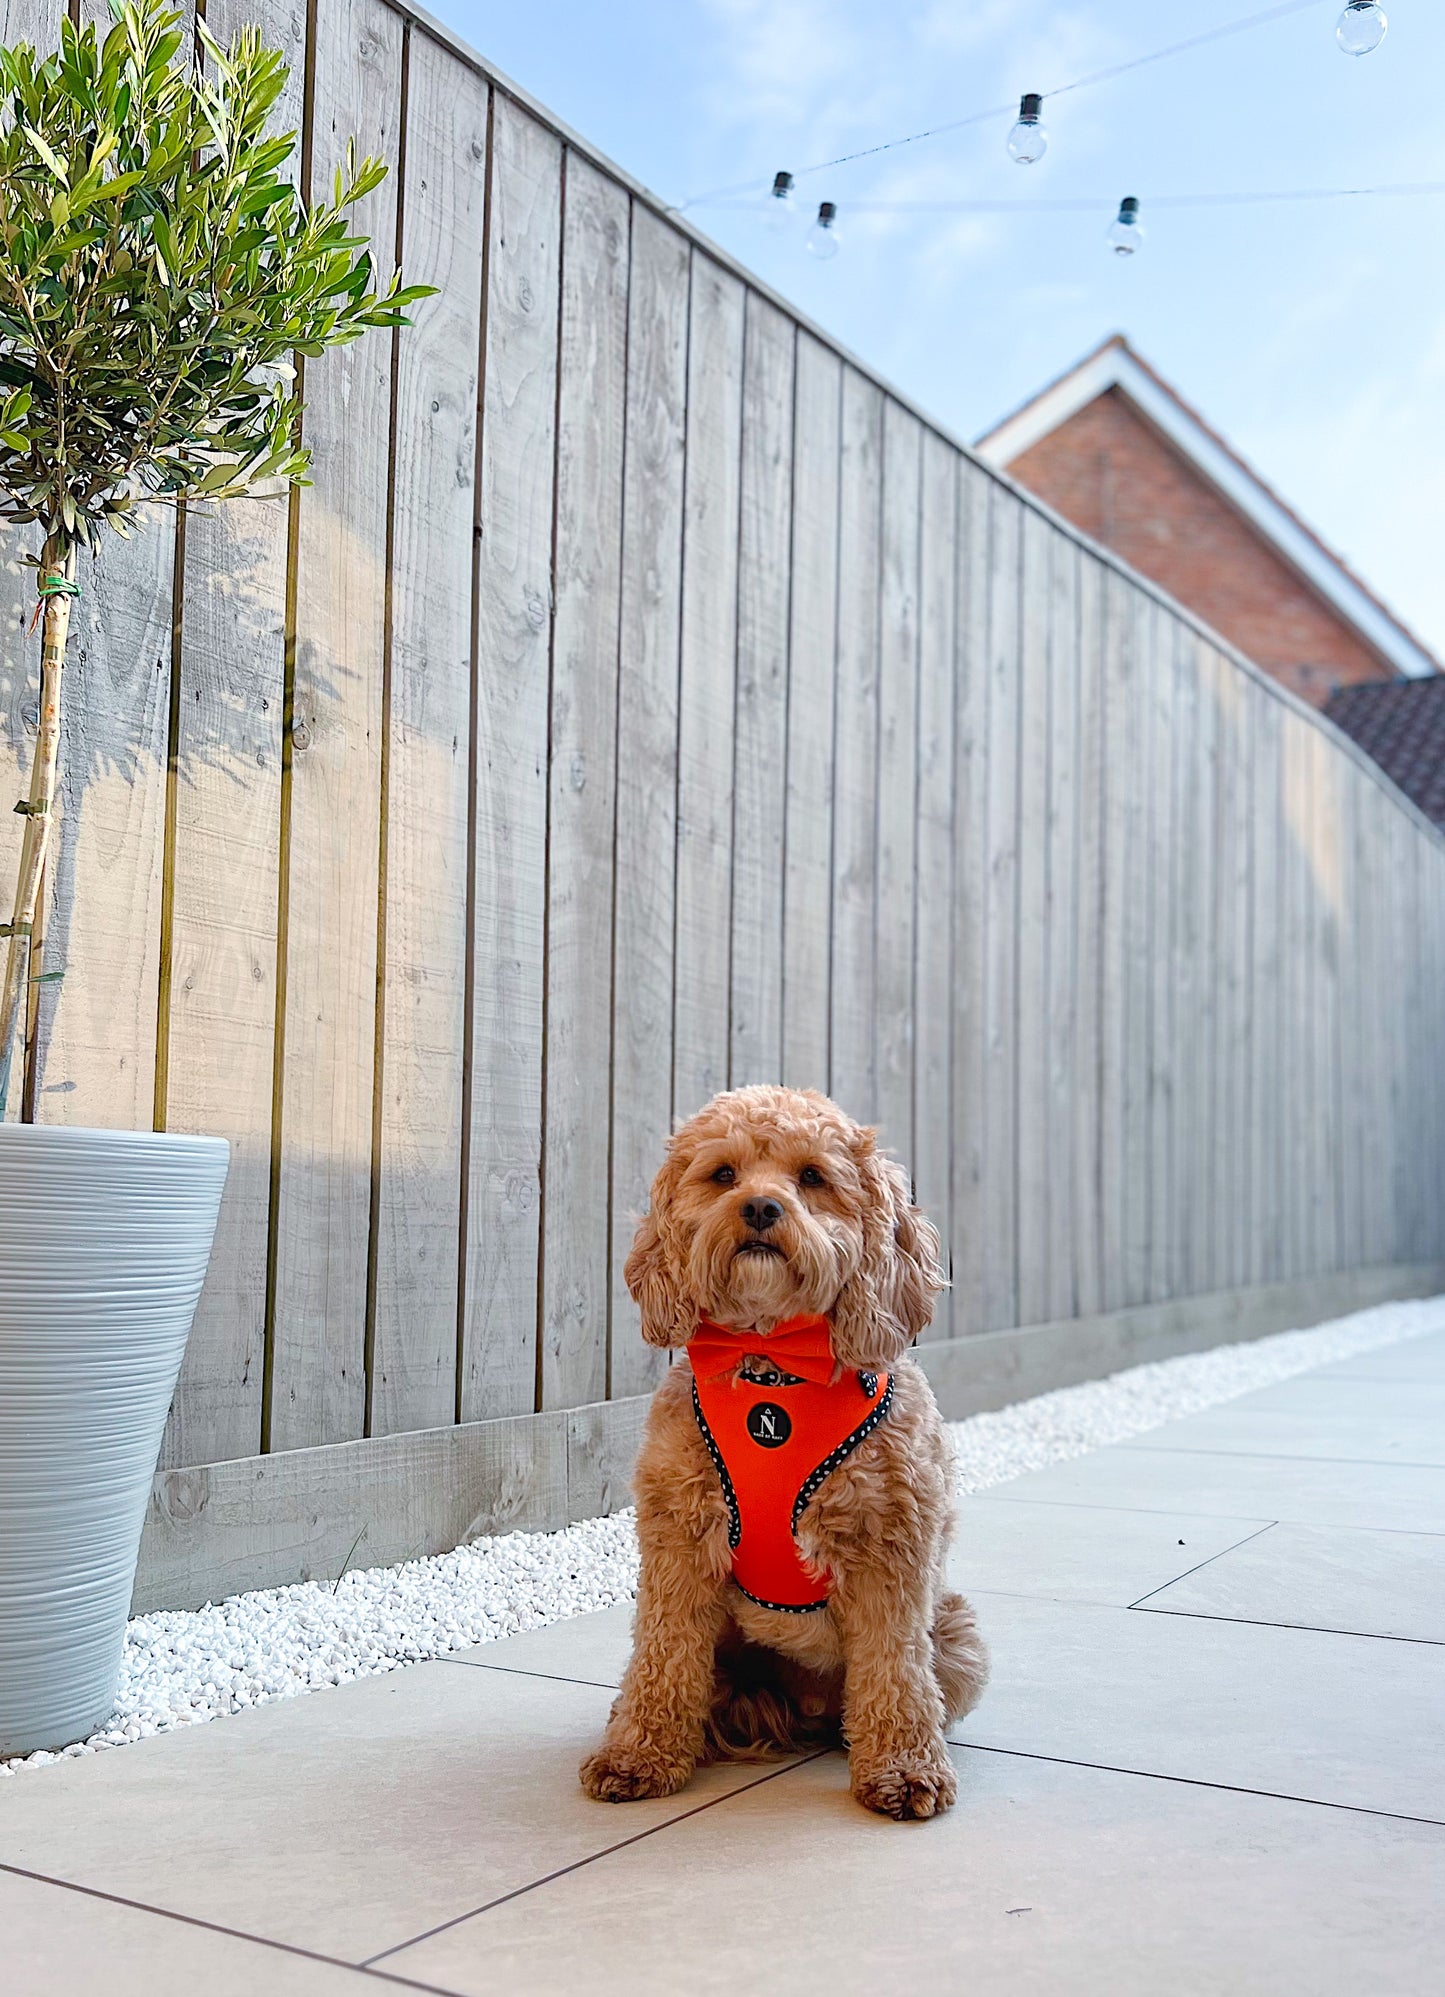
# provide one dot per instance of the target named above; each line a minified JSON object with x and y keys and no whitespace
{"x":57,"y":568}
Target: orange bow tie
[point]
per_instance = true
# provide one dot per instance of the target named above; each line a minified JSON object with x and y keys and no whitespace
{"x":801,"y":1345}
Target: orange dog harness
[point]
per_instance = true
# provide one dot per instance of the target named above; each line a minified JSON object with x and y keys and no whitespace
{"x":776,"y":1423}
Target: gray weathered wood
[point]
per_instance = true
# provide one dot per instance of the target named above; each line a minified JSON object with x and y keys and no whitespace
{"x":591,"y":408}
{"x":934,"y":993}
{"x":968,"y":1106}
{"x":812,"y":647}
{"x":513,"y":612}
{"x":425,"y":841}
{"x":647,"y":759}
{"x":1064,"y":1067}
{"x":1164,"y":1023}
{"x":1002,"y":918}
{"x":321,"y":1224}
{"x":760,"y":726}
{"x":707,"y":691}
{"x":1034,"y":938}
{"x":897,"y":856}
{"x":854,"y":996}
{"x":1088,"y":943}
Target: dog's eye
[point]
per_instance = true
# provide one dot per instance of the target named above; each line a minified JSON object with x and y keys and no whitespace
{"x":811,"y":1176}
{"x":724,"y":1175}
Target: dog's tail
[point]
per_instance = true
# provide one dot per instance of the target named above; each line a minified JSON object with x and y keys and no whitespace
{"x":960,"y":1656}
{"x":765,"y":1707}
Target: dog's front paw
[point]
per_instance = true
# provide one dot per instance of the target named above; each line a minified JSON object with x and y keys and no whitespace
{"x":618,"y":1774}
{"x":907,"y":1786}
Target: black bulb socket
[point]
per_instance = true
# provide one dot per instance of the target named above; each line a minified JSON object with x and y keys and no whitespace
{"x":1031,"y":108}
{"x":827,"y":213}
{"x":782,"y":185}
{"x":1129,"y":208}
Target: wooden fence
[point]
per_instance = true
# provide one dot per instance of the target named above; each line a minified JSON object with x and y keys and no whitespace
{"x":644,"y":699}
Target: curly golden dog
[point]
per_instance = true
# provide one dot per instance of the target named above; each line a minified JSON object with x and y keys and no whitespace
{"x":824,"y":1472}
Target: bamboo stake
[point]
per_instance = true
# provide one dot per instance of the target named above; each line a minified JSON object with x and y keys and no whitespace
{"x":57,"y":570}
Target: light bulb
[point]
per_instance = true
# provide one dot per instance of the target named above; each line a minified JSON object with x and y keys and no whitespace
{"x":1125,"y":234}
{"x":823,"y":236}
{"x":1028,"y":140}
{"x":1361,"y":27}
{"x":781,"y":206}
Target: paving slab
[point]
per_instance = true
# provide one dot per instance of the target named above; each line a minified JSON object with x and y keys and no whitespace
{"x":1044,"y":1881}
{"x":1337,"y":1437}
{"x":343,"y":1821}
{"x":1322,"y":1577}
{"x":1347,"y":1720}
{"x":1409,"y":1400}
{"x":1421,"y":1359}
{"x":591,"y":1649}
{"x":1142,"y":1477}
{"x":1088,"y":1554}
{"x":61,"y":1943}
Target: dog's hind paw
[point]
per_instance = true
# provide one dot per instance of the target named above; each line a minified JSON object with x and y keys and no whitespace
{"x":909,"y":1787}
{"x":616,"y":1775}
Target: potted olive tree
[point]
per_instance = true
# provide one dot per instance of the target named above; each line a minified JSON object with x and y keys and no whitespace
{"x":160,"y":281}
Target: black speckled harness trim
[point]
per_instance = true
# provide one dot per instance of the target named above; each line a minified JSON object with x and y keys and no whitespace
{"x":735,"y":1522}
{"x":845,"y":1449}
{"x":781,"y":1608}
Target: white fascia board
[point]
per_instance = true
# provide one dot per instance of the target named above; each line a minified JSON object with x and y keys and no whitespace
{"x":1115,"y":367}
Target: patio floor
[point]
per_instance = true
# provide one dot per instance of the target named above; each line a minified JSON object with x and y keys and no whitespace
{"x":1212,"y":1760}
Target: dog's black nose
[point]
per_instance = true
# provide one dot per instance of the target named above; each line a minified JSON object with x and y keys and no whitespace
{"x":762,"y":1214}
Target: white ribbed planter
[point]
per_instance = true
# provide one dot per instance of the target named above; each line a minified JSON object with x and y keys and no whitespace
{"x":104,"y":1239}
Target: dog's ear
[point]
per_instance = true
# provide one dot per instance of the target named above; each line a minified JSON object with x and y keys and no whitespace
{"x":889,"y":1299}
{"x":651,"y":1272}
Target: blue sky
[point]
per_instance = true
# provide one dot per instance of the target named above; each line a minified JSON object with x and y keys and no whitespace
{"x":1313,"y":336}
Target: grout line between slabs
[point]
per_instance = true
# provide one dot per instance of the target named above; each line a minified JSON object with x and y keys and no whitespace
{"x":1209,"y":1561}
{"x":1199,"y":1782}
{"x":1174,"y":1511}
{"x":1274,"y":1456}
{"x":1315,"y":1629}
{"x":577,"y":1865}
{"x":220,"y":1928}
{"x":527,"y":1671}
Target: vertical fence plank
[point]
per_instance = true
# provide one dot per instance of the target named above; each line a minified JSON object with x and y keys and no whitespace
{"x":227,"y":812}
{"x":1034,"y":1136}
{"x":1269,"y":1084}
{"x":1088,"y":945}
{"x":1328,"y":774}
{"x":1001,"y":919}
{"x":812,"y":649}
{"x":933,"y":1051}
{"x":512,"y":583}
{"x":321,"y":1222}
{"x":854,"y":995}
{"x":760,"y":727}
{"x":591,"y":416}
{"x":1064,"y":1063}
{"x":709,"y":655}
{"x":424,"y":987}
{"x":1162,"y":835}
{"x":897,"y":860}
{"x":968,"y":1108}
{"x":1120,"y":861}
{"x":647,"y":757}
{"x":1194,"y":1110}
{"x":1349,"y":1050}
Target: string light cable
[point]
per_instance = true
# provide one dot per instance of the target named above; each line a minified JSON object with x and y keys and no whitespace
{"x":717,"y":195}
{"x":1082,"y":204}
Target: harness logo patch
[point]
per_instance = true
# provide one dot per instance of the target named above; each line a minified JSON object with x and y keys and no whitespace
{"x":769,"y":1424}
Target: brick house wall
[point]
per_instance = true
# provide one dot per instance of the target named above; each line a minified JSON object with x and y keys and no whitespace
{"x":1111,"y":473}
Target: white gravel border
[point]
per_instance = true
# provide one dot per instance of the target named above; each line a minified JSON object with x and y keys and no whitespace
{"x":184,"y":1667}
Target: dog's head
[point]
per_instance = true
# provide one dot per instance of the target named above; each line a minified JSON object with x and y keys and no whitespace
{"x":771,"y":1202}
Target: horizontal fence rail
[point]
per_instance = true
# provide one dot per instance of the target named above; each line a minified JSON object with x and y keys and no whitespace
{"x":643,"y":700}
